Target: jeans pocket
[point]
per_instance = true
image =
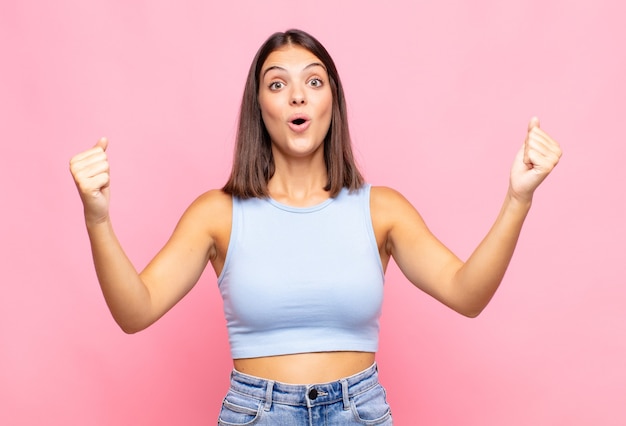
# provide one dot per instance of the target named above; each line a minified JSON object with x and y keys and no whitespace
{"x":371,"y":407}
{"x":238,"y":410}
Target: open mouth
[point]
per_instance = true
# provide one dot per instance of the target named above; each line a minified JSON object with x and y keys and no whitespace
{"x":299,"y":123}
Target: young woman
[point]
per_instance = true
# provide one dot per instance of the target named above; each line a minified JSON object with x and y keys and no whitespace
{"x":300,"y":244}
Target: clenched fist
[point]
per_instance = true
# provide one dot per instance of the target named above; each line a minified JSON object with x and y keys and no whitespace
{"x":90,"y":170}
{"x":534,"y":161}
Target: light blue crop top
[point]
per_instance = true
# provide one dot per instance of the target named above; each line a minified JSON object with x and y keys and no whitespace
{"x":301,"y":280}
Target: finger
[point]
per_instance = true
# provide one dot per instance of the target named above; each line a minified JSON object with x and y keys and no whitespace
{"x":93,"y":183}
{"x":93,"y":178}
{"x":87,"y":159}
{"x":542,"y":151}
{"x":541,"y":140}
{"x":100,"y":182}
{"x":93,"y":169}
{"x":526,"y":148}
{"x":534,"y":122}
{"x":100,"y":146}
{"x":103,"y":143}
{"x":542,"y":162}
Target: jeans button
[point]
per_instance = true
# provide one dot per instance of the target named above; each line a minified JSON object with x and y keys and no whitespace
{"x":312,"y":394}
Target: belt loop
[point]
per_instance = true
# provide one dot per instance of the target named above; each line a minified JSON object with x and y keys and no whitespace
{"x":268,"y":395}
{"x":345,"y":395}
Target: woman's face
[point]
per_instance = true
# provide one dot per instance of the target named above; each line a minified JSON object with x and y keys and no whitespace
{"x":295,"y":100}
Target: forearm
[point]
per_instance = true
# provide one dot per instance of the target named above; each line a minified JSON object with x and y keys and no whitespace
{"x":479,"y":277}
{"x":126,"y":295}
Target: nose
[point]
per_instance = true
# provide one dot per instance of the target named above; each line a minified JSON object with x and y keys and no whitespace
{"x":298,"y":100}
{"x":297,"y":97}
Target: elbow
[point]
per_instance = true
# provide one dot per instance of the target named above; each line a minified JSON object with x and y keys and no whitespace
{"x":129,"y":327}
{"x":132,"y":321}
{"x":130,"y":330}
{"x":473,"y":307}
{"x":471,"y":314}
{"x":471,"y":311}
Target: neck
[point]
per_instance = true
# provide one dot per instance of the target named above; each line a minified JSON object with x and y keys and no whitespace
{"x":299,"y":185}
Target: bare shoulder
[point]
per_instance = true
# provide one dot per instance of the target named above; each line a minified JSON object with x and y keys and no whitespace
{"x":206,"y":225}
{"x":214,"y":200}
{"x":385,"y":194}
{"x":387,"y":203}
{"x":206,"y":219}
{"x":393,"y":213}
{"x":393,"y":216}
{"x":211,"y":210}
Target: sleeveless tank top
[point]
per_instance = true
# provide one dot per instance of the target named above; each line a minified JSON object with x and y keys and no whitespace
{"x":299,"y":280}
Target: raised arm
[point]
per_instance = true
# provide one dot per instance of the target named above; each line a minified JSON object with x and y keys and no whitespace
{"x":466,"y":287}
{"x":137,"y":300}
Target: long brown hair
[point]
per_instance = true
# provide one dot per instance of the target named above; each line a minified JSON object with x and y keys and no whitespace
{"x":253,"y":163}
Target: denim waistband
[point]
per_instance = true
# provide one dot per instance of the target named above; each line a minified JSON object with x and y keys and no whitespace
{"x":271,"y":391}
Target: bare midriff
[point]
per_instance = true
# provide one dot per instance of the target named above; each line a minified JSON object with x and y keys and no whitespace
{"x":306,"y":368}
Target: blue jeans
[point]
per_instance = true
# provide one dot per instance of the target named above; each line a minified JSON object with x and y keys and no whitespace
{"x":354,"y":400}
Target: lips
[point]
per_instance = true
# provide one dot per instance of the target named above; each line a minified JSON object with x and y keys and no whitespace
{"x":299,"y":122}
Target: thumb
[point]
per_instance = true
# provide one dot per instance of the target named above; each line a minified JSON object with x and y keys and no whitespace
{"x":103,"y":143}
{"x":534,"y":122}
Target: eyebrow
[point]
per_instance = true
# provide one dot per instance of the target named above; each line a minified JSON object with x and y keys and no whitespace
{"x":276,"y":67}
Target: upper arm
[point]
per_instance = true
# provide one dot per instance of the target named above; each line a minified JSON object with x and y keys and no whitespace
{"x":197,"y":239}
{"x":422,"y":258}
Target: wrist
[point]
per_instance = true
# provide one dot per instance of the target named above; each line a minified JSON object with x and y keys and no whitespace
{"x":517,"y":201}
{"x":99,"y":222}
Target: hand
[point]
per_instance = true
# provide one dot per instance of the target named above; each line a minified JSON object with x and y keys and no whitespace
{"x":534,"y":162}
{"x":90,"y":170}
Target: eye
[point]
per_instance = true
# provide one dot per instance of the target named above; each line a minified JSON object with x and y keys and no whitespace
{"x":316,"y":82}
{"x":276,"y":85}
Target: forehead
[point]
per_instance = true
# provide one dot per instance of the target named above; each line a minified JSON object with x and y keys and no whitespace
{"x":290,"y":57}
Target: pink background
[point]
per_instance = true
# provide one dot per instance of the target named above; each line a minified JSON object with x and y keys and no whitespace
{"x":439,"y":96}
